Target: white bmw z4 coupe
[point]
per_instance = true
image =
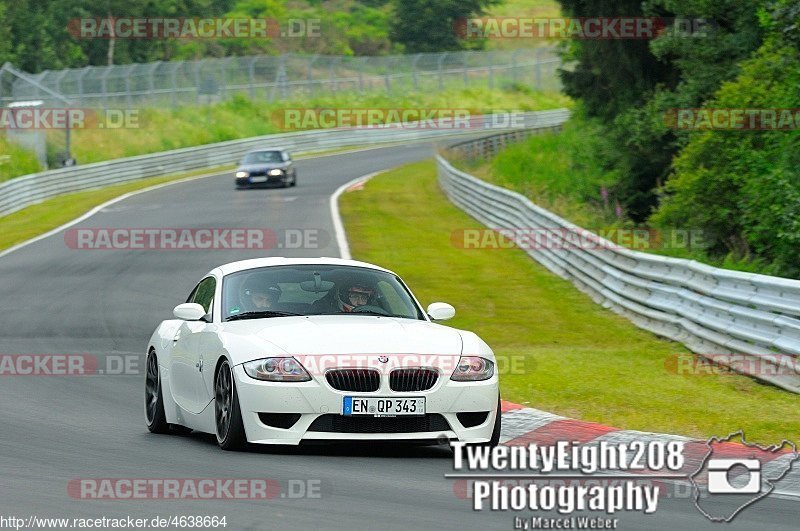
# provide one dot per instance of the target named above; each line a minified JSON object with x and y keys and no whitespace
{"x":284,"y":351}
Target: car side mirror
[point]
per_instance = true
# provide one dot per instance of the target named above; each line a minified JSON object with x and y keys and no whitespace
{"x":190,"y":311}
{"x":441,"y":311}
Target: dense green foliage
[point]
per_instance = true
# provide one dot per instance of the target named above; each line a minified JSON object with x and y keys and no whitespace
{"x":430,"y":25}
{"x":742,"y":188}
{"x":37,"y":35}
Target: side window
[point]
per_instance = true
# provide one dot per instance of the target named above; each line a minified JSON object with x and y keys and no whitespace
{"x":203,"y":294}
{"x":286,"y":157}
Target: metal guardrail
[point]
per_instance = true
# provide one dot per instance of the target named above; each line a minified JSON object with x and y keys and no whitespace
{"x":713,"y":311}
{"x":26,"y":190}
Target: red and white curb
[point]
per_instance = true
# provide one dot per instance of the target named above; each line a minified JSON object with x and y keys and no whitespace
{"x":522,"y":426}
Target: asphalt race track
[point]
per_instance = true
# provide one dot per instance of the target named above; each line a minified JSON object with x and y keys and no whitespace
{"x":58,"y":300}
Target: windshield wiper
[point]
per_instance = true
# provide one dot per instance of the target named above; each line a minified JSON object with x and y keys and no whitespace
{"x":261,"y":315}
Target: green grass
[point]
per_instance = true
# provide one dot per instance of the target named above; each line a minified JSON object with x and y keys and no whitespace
{"x":571,"y":356}
{"x":240,"y":117}
{"x":558,"y":172}
{"x":15,"y":160}
{"x":37,"y":219}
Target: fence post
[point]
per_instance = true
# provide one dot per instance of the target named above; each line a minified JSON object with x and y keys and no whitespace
{"x":387,"y":80}
{"x":84,"y":71}
{"x":251,"y":77}
{"x":174,"y":78}
{"x":332,"y":75}
{"x":310,"y":75}
{"x":128,"y":71}
{"x":414,"y":70}
{"x":514,"y":73}
{"x":106,"y":70}
{"x":491,"y":69}
{"x":197,"y":66}
{"x":152,"y":78}
{"x":440,"y":65}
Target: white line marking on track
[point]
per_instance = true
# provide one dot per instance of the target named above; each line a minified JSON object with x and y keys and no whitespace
{"x":338,"y":226}
{"x":107,"y":204}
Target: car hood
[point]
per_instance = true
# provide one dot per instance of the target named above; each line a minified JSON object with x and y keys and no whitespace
{"x":342,"y":335}
{"x":263,"y":166}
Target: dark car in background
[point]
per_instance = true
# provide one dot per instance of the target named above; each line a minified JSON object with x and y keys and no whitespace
{"x":266,"y":167}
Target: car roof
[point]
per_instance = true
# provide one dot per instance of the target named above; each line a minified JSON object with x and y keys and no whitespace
{"x":254,"y":263}
{"x":259,"y":150}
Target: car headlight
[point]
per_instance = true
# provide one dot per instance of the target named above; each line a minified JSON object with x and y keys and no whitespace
{"x":276,"y":172}
{"x":473,"y":369}
{"x":277,"y":370}
{"x":240,"y":174}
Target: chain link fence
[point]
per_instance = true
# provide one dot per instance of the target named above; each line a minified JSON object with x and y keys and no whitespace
{"x":286,"y":77}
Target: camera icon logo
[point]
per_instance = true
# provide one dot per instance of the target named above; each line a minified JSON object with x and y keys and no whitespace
{"x":721,"y":476}
{"x":734,"y":474}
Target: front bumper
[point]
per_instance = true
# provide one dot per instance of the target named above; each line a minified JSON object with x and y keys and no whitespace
{"x":316,"y":398}
{"x":255,"y":180}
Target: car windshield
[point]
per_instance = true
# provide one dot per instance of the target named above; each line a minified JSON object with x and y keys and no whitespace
{"x":282,"y":291}
{"x":261,"y":157}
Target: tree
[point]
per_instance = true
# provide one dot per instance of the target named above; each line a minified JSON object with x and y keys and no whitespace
{"x":631,"y":85}
{"x":611,"y":75}
{"x":431,"y":25}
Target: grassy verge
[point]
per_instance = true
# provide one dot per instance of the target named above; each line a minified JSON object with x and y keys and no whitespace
{"x":156,"y":130}
{"x":559,"y":172}
{"x":15,"y":160}
{"x":561,"y":352}
{"x":47,"y":215}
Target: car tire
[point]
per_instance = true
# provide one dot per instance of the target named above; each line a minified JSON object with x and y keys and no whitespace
{"x":154,"y":415}
{"x":227,"y":414}
{"x":294,"y":180}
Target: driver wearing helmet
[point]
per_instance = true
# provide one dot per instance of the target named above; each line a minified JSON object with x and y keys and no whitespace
{"x":353,"y":295}
{"x":258,"y":294}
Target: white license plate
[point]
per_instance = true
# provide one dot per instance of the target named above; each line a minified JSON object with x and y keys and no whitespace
{"x":382,"y":406}
{"x":258,"y":179}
